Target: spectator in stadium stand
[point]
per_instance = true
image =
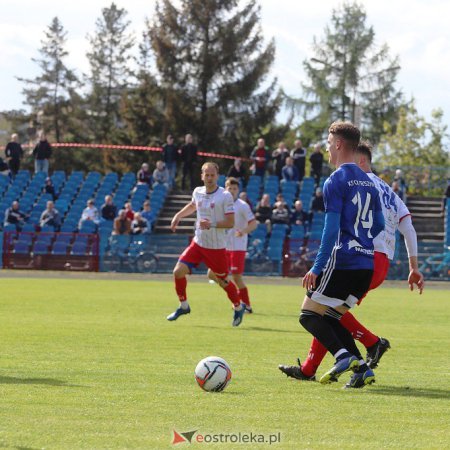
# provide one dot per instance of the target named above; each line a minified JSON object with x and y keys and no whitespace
{"x":280,"y":214}
{"x":161,"y":175}
{"x":139,"y":225}
{"x":170,"y":157}
{"x":298,"y":215}
{"x":90,"y":213}
{"x":129,"y":211}
{"x":50,"y":217}
{"x":42,"y":153}
{"x":263,"y":211}
{"x":396,"y":188}
{"x":244,"y":197}
{"x":260,"y":157}
{"x":189,"y":157}
{"x":298,"y":153}
{"x":237,"y":170}
{"x":279,"y":157}
{"x":401,"y":182}
{"x":122,"y":224}
{"x":317,"y":203}
{"x":280,"y":198}
{"x":316,"y":160}
{"x":148,"y":214}
{"x":14,"y":216}
{"x":4,"y":168}
{"x":290,"y":172}
{"x":144,"y":176}
{"x":49,"y":188}
{"x":108,"y":209}
{"x":14,"y":153}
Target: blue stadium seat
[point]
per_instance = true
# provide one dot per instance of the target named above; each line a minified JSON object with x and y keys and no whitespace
{"x":21,"y":247}
{"x":59,"y":248}
{"x":79,"y":248}
{"x":88,"y":227}
{"x":40,"y":248}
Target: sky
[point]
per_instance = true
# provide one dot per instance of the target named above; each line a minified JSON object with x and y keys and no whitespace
{"x":415,"y":30}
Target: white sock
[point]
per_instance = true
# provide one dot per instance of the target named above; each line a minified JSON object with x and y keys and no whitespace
{"x":340,"y":352}
{"x":238,"y":308}
{"x":184,"y":304}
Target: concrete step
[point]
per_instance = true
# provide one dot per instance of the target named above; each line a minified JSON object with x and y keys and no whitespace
{"x":434,"y":236}
{"x":181,"y":229}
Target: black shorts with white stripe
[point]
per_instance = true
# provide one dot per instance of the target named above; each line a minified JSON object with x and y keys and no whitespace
{"x":338,"y":287}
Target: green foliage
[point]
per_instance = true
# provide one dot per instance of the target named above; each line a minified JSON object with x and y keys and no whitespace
{"x":415,"y":141}
{"x":51,"y":94}
{"x":94,"y":364}
{"x":349,"y":77}
{"x":109,"y":60}
{"x":212,"y":65}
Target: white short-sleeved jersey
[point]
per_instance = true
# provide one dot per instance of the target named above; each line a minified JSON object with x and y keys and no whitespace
{"x":214,"y":207}
{"x":243,"y":215}
{"x":394,"y":210}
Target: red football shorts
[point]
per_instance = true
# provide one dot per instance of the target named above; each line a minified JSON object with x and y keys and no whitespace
{"x":380,"y":270}
{"x":236,"y":261}
{"x":214,"y":259}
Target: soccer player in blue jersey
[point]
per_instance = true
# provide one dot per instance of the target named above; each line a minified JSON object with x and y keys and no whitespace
{"x":343,"y":268}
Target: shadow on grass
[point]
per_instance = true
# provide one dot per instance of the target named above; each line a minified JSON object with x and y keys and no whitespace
{"x":406,"y":391}
{"x":244,"y":327}
{"x":43,"y":381}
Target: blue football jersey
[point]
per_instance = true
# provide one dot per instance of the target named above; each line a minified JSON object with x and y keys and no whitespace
{"x":351,"y":193}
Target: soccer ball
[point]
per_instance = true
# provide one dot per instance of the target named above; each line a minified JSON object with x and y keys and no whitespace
{"x":213,"y":374}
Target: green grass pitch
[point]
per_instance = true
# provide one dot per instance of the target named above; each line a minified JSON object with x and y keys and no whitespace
{"x":93,"y":364}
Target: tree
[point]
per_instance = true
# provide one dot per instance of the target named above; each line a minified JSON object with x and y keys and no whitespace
{"x":109,"y":60}
{"x":414,"y":141}
{"x":50,"y":94}
{"x":142,"y":102}
{"x":211,"y":66}
{"x":349,"y":78}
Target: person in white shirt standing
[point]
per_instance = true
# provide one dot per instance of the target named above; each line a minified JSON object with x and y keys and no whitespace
{"x":244,"y":224}
{"x":215,"y":215}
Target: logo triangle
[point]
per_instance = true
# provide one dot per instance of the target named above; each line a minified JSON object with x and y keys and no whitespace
{"x":189,"y":434}
{"x":178,"y":438}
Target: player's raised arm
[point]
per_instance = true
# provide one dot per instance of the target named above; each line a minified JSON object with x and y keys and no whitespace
{"x":184,"y":212}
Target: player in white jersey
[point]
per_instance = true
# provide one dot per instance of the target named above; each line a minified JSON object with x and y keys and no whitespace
{"x":397,"y":217}
{"x":237,"y":240}
{"x":215,"y":215}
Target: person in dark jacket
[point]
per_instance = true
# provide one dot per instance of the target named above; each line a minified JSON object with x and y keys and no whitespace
{"x":316,"y":160}
{"x":49,"y":188}
{"x":189,"y":158}
{"x":237,"y":170}
{"x":299,"y":155}
{"x":42,"y":153}
{"x":14,"y":153}
{"x":109,"y":209}
{"x":170,"y":157}
{"x":14,"y":216}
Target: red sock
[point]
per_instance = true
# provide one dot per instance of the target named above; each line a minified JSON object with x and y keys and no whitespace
{"x":362,"y":334}
{"x":180,"y":287}
{"x":232,"y":293}
{"x":243,"y":293}
{"x":315,"y":356}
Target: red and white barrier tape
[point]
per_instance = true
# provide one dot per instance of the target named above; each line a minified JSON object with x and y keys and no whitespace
{"x":136,"y":148}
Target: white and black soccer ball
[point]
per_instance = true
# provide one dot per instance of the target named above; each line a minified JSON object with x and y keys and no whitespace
{"x":213,"y":374}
